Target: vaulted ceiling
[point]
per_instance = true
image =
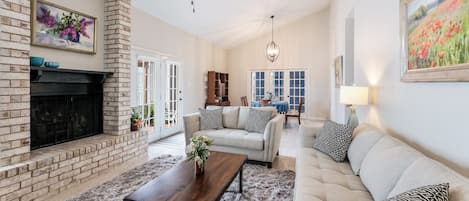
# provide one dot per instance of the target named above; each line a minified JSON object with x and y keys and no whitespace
{"x":228,"y":23}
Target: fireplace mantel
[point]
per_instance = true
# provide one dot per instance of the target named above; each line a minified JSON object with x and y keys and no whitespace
{"x":60,"y":75}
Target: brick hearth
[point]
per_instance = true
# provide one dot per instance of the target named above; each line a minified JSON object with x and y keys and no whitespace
{"x":54,"y":169}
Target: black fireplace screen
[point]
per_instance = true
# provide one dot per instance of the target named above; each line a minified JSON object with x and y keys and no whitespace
{"x":58,"y":119}
{"x":65,"y":105}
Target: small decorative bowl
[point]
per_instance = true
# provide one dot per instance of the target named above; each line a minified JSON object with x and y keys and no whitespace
{"x":36,"y":61}
{"x":51,"y":64}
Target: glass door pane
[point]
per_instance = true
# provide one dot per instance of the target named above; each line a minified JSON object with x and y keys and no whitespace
{"x":258,"y":86}
{"x":278,"y":84}
{"x":297,"y":89}
{"x":172,"y":100}
{"x":146,"y":89}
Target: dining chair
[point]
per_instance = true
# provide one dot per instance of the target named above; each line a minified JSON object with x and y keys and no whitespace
{"x":295,"y":113}
{"x":244,"y":101}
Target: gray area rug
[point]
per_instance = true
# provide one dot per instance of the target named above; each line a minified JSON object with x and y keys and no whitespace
{"x":259,"y":183}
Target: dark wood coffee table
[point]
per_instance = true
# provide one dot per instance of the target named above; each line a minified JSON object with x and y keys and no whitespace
{"x":181,"y":183}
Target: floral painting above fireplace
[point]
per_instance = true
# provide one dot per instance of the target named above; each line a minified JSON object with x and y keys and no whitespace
{"x":435,"y":40}
{"x":58,"y":27}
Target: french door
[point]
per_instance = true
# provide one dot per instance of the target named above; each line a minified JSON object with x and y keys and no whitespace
{"x":172,"y":115}
{"x":285,"y":85}
{"x":157,"y":96}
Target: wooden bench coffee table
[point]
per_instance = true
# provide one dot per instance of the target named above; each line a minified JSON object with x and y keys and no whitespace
{"x":181,"y":183}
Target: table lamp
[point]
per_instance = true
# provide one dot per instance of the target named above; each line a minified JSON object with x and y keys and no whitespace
{"x":352,"y":96}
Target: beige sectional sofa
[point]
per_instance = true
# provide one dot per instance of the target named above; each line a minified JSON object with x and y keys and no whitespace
{"x":378,"y":167}
{"x":259,"y":147}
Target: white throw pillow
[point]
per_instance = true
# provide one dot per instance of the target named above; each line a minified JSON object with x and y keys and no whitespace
{"x":426,"y":171}
{"x":384,"y":165}
{"x":365,"y":136}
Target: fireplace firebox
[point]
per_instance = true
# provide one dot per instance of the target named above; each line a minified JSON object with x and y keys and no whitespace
{"x":65,"y":105}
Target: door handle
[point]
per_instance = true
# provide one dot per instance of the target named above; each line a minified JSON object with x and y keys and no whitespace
{"x":180,"y":99}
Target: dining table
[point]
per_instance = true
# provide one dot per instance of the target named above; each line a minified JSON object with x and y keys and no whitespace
{"x":282,"y":106}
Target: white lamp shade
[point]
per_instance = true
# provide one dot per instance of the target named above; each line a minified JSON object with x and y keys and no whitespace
{"x":351,"y":95}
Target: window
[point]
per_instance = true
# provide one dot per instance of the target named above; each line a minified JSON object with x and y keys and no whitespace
{"x":258,"y":85}
{"x":285,"y":85}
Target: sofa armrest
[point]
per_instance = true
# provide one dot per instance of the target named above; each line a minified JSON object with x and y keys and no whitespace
{"x":308,"y":135}
{"x":191,"y":125}
{"x":272,"y":136}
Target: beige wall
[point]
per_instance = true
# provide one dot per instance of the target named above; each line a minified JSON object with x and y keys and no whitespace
{"x":195,"y":55}
{"x":430,"y":116}
{"x":73,"y":60}
{"x":303,"y":44}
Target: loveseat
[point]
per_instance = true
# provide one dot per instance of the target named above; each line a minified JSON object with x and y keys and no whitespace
{"x":379,"y":167}
{"x":259,"y":147}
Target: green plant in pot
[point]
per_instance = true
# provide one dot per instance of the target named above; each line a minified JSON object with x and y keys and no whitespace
{"x":198,"y":151}
{"x":135,"y":121}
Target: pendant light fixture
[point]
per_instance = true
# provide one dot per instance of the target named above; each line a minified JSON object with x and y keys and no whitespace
{"x":273,"y":49}
{"x":193,"y":6}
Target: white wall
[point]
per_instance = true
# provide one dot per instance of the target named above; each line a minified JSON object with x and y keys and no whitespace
{"x":195,"y":55}
{"x":303,"y":44}
{"x":73,"y":60}
{"x":430,"y":116}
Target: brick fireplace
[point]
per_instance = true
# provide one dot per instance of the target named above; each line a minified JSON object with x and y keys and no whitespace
{"x":29,"y":171}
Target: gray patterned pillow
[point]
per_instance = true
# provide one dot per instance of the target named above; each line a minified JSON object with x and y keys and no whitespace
{"x":257,"y":120}
{"x":439,"y":192}
{"x":211,"y":119}
{"x":334,"y":140}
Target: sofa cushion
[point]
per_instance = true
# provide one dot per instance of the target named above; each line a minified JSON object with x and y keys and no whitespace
{"x":334,"y":140}
{"x":436,"y":192}
{"x":244,"y":114}
{"x":257,"y":120}
{"x":211,"y":119}
{"x":234,"y":138}
{"x":230,"y":117}
{"x":426,"y":171}
{"x":384,"y":165}
{"x":318,"y":177}
{"x":365,"y":136}
{"x":243,"y":117}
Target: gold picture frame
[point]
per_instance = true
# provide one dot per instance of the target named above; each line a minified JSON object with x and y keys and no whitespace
{"x":42,"y":26}
{"x":438,"y":73}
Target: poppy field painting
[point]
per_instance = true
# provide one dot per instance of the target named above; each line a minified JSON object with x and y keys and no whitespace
{"x":437,"y":37}
{"x":61,"y":28}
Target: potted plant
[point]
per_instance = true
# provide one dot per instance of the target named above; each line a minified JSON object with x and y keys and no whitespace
{"x":198,"y":151}
{"x":135,"y":121}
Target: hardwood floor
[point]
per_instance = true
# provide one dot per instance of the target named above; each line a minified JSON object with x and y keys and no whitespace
{"x":175,"y":145}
